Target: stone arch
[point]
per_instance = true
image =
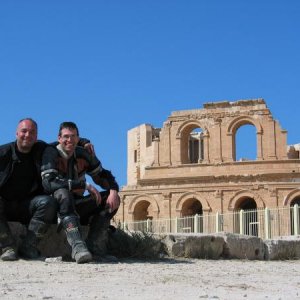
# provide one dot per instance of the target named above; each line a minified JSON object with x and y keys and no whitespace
{"x":235,"y":124}
{"x":290,"y":197}
{"x":140,"y":199}
{"x":188,"y":196}
{"x":185,"y":126}
{"x":240,"y":195}
{"x":243,"y":120}
{"x":183,"y":133}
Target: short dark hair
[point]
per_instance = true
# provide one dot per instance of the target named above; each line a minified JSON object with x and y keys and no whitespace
{"x":69,"y":125}
{"x":31,"y":120}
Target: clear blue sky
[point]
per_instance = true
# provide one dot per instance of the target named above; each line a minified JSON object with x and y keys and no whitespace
{"x":110,"y":66}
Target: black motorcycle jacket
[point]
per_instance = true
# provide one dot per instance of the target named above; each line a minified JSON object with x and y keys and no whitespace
{"x":58,"y":171}
{"x":9,"y":159}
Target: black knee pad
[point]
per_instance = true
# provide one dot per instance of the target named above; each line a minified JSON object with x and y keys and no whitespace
{"x":65,"y":202}
{"x":70,"y":221}
{"x":44,"y":208}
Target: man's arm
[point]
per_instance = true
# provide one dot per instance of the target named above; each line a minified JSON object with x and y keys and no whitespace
{"x":107,"y":181}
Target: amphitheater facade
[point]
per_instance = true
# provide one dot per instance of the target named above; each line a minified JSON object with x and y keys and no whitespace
{"x":190,"y":166}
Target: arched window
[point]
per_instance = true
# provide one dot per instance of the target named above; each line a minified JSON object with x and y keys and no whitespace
{"x":196,"y":146}
{"x":245,"y":143}
{"x":192,"y":144}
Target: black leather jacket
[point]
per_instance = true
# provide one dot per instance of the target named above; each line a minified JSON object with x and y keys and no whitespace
{"x":69,"y":173}
{"x":9,"y":158}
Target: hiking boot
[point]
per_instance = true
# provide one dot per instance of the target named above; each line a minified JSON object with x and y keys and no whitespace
{"x":7,"y":243}
{"x":9,"y":254}
{"x":79,"y":250}
{"x":81,"y":254}
{"x":36,"y":231}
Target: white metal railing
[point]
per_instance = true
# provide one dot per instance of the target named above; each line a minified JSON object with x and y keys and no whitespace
{"x":265,"y":223}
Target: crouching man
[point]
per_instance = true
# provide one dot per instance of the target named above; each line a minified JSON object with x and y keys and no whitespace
{"x":63,"y":175}
{"x":22,"y":198}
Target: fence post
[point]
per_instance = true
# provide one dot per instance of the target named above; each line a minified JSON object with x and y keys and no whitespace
{"x":148,"y":225}
{"x":196,"y":226}
{"x":296,"y":219}
{"x":217,"y":222}
{"x":267,"y":224}
{"x":124,"y":226}
{"x":176,"y":225}
{"x":241,"y":221}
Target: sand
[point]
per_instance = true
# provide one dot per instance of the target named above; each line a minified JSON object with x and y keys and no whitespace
{"x":166,"y":279}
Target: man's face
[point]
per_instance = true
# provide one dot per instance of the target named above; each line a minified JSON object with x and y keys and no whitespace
{"x":68,"y":140}
{"x":26,"y":136}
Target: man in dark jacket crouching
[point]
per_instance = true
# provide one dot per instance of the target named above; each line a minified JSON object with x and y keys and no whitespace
{"x":21,"y":195}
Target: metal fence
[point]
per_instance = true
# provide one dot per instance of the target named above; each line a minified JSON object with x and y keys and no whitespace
{"x":264,"y":223}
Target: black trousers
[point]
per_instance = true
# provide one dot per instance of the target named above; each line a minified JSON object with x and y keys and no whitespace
{"x":84,"y":207}
{"x":41,"y":208}
{"x":87,"y":207}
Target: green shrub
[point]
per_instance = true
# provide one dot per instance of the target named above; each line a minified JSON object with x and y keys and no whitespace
{"x":137,"y":245}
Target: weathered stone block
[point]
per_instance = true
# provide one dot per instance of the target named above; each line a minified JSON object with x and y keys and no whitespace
{"x":204,"y":246}
{"x":243,"y":246}
{"x":283,"y":248}
{"x":194,"y":246}
{"x":174,"y":245}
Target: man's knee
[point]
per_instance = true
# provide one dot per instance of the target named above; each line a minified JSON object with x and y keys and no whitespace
{"x":61,"y":195}
{"x":65,"y":202}
{"x":45,"y":208}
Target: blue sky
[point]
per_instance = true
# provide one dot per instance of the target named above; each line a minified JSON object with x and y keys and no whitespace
{"x":112,"y":65}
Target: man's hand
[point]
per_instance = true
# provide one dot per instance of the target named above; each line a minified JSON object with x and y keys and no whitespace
{"x":113,"y":200}
{"x":94,"y":193}
{"x":90,"y":148}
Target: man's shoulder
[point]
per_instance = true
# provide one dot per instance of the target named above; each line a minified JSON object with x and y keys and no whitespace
{"x":82,"y":153}
{"x":39,"y":146}
{"x":5,"y":148}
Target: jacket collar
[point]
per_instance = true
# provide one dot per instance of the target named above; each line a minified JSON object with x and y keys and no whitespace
{"x":62,"y":153}
{"x":13,"y":150}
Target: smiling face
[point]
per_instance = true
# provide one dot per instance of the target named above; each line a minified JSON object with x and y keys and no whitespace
{"x":26,"y":135}
{"x":68,"y":140}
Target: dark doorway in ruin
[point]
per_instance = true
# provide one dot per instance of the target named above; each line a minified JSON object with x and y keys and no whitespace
{"x":190,"y":208}
{"x":292,"y":215}
{"x":141,"y":211}
{"x":251,"y":223}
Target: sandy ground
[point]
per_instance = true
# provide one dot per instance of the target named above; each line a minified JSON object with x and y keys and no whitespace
{"x":166,"y":279}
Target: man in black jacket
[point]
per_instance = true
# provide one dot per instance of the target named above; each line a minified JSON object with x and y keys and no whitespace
{"x":21,"y":195}
{"x":63,"y":174}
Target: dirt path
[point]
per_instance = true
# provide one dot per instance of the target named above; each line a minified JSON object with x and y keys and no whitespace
{"x":169,"y":279}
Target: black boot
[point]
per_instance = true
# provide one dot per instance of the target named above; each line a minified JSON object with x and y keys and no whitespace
{"x":79,"y":250}
{"x":7,"y":243}
{"x":97,"y":238}
{"x":29,"y":247}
